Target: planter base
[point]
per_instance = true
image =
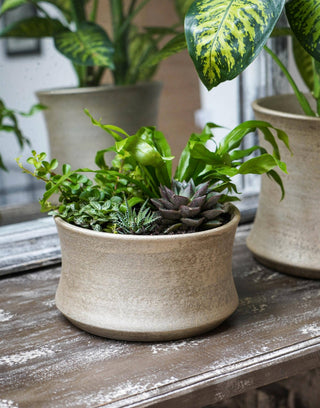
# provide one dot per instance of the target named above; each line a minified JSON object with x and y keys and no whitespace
{"x":153,"y":336}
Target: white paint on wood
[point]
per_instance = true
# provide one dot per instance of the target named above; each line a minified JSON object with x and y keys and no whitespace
{"x":8,"y":404}
{"x":24,"y":356}
{"x":5,"y":316}
{"x":313,"y":328}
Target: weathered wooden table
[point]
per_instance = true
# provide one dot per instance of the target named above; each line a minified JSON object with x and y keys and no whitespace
{"x":46,"y":362}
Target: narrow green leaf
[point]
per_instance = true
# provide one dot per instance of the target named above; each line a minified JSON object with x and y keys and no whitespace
{"x":2,"y":165}
{"x":175,"y":45}
{"x":34,"y":109}
{"x":34,"y":27}
{"x":304,"y":20}
{"x":258,"y":165}
{"x":275,"y":176}
{"x":89,"y":46}
{"x":111,"y":129}
{"x":225,"y":36}
{"x":11,"y":4}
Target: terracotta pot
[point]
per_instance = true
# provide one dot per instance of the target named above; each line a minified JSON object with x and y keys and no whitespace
{"x":147,"y":288}
{"x":286,"y":234}
{"x":72,"y":137}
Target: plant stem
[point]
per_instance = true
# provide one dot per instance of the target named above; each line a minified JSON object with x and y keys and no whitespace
{"x":120,"y":41}
{"x":94,"y":10}
{"x":132,"y":13}
{"x":78,"y":11}
{"x":300,"y":96}
{"x":316,"y":82}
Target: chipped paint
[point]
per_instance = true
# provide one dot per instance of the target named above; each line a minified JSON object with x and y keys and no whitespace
{"x":25,"y":356}
{"x":5,"y":316}
{"x":8,"y":404}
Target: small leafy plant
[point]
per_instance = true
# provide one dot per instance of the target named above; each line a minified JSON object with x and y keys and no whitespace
{"x":9,"y":122}
{"x":138,"y":193}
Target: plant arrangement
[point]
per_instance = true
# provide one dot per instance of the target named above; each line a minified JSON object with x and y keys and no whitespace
{"x":88,"y":46}
{"x":9,"y":122}
{"x":138,"y":194}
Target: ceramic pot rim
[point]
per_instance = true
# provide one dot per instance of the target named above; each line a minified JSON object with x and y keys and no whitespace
{"x":258,"y":105}
{"x":94,"y":89}
{"x":235,"y":214}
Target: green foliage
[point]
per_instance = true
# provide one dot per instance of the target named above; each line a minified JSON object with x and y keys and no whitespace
{"x":121,"y":198}
{"x":143,"y":222}
{"x":9,"y":123}
{"x":125,"y":51}
{"x":224,"y":36}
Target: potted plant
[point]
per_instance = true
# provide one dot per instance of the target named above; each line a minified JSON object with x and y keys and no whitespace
{"x":223,"y":38}
{"x":147,"y":256}
{"x":9,"y":123}
{"x":131,"y":100}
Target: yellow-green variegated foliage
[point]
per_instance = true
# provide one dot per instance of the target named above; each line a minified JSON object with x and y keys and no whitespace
{"x":304,"y":20}
{"x":225,"y":36}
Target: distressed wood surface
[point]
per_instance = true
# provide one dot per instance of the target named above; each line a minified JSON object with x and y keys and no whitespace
{"x":46,"y":362}
{"x":28,"y":245}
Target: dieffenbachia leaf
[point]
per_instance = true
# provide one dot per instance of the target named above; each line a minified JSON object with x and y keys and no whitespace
{"x":175,"y":45}
{"x":89,"y":45}
{"x":225,"y":36}
{"x":303,"y":61}
{"x":304,"y":20}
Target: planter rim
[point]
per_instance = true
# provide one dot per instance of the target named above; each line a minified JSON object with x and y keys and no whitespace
{"x":94,"y":89}
{"x":258,"y":105}
{"x":234,"y":211}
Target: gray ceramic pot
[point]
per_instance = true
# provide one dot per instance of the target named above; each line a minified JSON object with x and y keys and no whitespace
{"x":72,"y":137}
{"x":147,"y":287}
{"x":286,"y":234}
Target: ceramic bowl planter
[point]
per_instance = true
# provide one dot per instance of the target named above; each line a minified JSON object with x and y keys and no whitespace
{"x":286,"y":234}
{"x":72,"y":137}
{"x":147,"y":288}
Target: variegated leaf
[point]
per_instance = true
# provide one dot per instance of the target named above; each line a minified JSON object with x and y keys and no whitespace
{"x":141,"y":48}
{"x":63,"y":5}
{"x":89,"y":45}
{"x":225,"y":36}
{"x":304,"y":20}
{"x":303,"y":61}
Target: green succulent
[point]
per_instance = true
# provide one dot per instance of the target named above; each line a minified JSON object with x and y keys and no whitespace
{"x":141,"y":222}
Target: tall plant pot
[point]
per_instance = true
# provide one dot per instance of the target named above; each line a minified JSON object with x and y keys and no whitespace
{"x":72,"y":137}
{"x":147,"y":287}
{"x":286,"y":234}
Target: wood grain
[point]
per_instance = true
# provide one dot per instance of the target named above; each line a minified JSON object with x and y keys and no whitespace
{"x":29,"y":245}
{"x":46,"y":362}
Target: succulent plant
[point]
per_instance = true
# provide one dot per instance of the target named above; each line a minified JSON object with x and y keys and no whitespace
{"x":187,"y":207}
{"x":138,"y":223}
